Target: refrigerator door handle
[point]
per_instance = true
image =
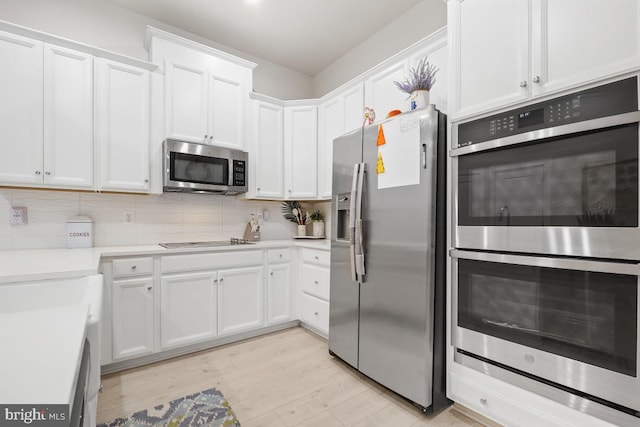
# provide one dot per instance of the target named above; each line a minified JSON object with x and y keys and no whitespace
{"x":352,"y":222}
{"x":359,"y":243}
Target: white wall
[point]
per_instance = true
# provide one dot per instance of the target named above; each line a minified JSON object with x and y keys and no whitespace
{"x":422,"y":20}
{"x":108,"y":26}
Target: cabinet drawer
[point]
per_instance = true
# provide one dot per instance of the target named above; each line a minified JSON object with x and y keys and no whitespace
{"x":315,"y":313}
{"x":210,"y":261}
{"x":278,"y":255}
{"x":315,"y":281}
{"x":132,"y":266}
{"x":497,"y":406}
{"x":315,"y":256}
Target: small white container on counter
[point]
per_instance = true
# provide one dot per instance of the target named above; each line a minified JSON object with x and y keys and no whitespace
{"x":79,"y":232}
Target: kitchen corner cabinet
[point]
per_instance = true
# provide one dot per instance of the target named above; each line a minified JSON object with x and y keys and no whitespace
{"x":132,"y":314}
{"x":301,"y":152}
{"x":336,"y":116}
{"x":48,"y":131}
{"x":122,"y":126}
{"x":507,"y":51}
{"x":279,"y":303}
{"x":268,"y":161}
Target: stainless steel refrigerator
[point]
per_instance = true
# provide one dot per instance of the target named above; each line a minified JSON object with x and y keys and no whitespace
{"x":387,"y":305}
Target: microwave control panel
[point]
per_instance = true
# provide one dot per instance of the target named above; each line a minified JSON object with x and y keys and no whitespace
{"x":239,"y":173}
{"x":601,"y":101}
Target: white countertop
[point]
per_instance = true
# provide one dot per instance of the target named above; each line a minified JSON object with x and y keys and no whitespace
{"x":43,"y":264}
{"x":41,"y":354}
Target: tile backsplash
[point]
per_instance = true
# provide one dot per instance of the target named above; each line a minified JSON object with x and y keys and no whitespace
{"x":171,"y":217}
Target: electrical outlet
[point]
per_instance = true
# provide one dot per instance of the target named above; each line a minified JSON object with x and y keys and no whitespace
{"x":18,"y":215}
{"x":127,"y":216}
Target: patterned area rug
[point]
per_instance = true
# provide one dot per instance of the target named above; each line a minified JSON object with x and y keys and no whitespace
{"x":207,"y":408}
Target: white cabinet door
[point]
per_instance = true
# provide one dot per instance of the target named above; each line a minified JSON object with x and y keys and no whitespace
{"x":269,"y":151}
{"x":353,"y":107}
{"x":68,"y":118}
{"x":578,"y":40}
{"x":122,"y":126}
{"x":301,"y":152}
{"x":226,"y":121}
{"x":330,"y":126}
{"x":187,"y":102}
{"x":490,"y":45}
{"x":383,"y":95}
{"x":21,"y":118}
{"x":188,"y":308}
{"x":132,"y":317}
{"x":279,"y":293}
{"x":240,"y":299}
{"x":438,"y":55}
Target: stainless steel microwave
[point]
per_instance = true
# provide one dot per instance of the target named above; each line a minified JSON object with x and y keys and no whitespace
{"x":201,"y":168}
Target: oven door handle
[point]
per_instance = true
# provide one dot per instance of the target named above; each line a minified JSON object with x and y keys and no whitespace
{"x":550,"y":262}
{"x":587,"y":125}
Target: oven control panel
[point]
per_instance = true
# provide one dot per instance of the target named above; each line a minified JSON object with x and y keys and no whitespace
{"x":601,"y":101}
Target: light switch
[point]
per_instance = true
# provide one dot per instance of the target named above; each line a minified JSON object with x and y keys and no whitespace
{"x":18,"y":215}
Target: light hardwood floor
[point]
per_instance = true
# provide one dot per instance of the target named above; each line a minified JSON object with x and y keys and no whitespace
{"x":284,"y":379}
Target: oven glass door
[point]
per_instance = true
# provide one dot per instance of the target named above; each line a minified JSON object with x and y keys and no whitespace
{"x":588,"y":179}
{"x":199,"y":169}
{"x":586,"y":316}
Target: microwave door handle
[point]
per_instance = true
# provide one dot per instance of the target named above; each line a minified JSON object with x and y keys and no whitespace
{"x":352,"y":222}
{"x":359,"y":244}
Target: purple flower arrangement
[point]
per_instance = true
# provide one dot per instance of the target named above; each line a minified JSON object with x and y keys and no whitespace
{"x":422,"y":77}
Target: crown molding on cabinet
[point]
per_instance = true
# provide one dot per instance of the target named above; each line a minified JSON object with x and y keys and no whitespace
{"x":164,"y":35}
{"x":71,"y":44}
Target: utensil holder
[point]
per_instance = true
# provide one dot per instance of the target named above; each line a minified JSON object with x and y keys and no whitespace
{"x":251,"y":236}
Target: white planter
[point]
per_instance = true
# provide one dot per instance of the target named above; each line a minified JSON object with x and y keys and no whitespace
{"x":419,"y":99}
{"x":302,"y":230}
{"x":318,"y":228}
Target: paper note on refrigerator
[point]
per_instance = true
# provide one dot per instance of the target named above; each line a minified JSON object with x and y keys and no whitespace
{"x":401,"y":153}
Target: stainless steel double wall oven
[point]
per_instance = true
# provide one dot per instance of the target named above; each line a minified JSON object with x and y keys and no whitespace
{"x":546,"y":264}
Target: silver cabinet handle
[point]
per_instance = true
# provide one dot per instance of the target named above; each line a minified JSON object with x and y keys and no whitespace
{"x":47,"y":173}
{"x":536,"y":79}
{"x":38,"y":172}
{"x":271,"y":273}
{"x":280,"y":255}
{"x":523,"y":83}
{"x":316,"y":313}
{"x":133,"y":267}
{"x":483,"y":401}
{"x":315,"y":282}
{"x":215,"y":280}
{"x":221,"y":280}
{"x":206,"y":137}
{"x":258,"y":188}
{"x":149,"y":288}
{"x":146,"y":180}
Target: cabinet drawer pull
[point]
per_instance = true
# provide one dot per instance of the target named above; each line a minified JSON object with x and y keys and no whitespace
{"x":483,"y":401}
{"x":315,"y":312}
{"x":523,"y":83}
{"x":149,"y":288}
{"x":315,"y":282}
{"x":47,"y":173}
{"x":536,"y":79}
{"x":221,"y":280}
{"x":271,"y":273}
{"x":133,"y":267}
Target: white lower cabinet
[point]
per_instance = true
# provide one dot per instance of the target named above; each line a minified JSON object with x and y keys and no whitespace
{"x":132,"y":317}
{"x":240,"y":299}
{"x":188,"y":308}
{"x":279,"y":304}
{"x":314,"y":303}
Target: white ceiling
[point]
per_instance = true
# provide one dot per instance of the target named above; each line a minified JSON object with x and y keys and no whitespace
{"x":302,"y":35}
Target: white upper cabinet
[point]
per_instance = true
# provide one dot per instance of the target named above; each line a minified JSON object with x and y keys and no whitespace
{"x":268,"y":158}
{"x":186,"y":103}
{"x":301,"y":152}
{"x":206,"y":91}
{"x":490,"y":42}
{"x":579,"y":40}
{"x":21,"y":121}
{"x":507,"y":51}
{"x":47,"y":125}
{"x":382,"y":94}
{"x":338,"y":115}
{"x":122,"y":126}
{"x":68,"y":118}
